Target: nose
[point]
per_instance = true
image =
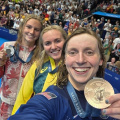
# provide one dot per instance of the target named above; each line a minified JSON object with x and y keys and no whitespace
{"x":32,"y":30}
{"x":53,"y":46}
{"x":81,"y":58}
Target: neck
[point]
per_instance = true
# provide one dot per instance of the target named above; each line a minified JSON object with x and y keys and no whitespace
{"x":28,"y":44}
{"x":78,"y":86}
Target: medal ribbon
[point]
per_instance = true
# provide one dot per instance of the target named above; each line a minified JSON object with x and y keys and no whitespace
{"x":15,"y":57}
{"x":50,"y":69}
{"x":76,"y":102}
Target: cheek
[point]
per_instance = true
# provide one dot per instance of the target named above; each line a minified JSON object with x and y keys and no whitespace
{"x":38,"y":34}
{"x":61,"y":44}
{"x":68,"y":61}
{"x":45,"y":48}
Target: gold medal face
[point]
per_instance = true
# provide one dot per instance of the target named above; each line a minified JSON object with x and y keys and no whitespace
{"x":97,"y":91}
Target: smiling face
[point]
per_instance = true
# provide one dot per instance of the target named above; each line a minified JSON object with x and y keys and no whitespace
{"x":82,"y":59}
{"x":53,"y":44}
{"x":31,"y":32}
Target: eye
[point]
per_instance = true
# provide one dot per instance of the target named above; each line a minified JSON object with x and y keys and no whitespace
{"x":37,"y":29}
{"x":57,"y":40}
{"x":28,"y":26}
{"x":89,"y":52}
{"x":47,"y":43}
{"x":72,"y":53}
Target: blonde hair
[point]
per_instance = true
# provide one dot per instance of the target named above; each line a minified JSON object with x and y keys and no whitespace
{"x":20,"y":33}
{"x":117,"y":64}
{"x":42,"y":57}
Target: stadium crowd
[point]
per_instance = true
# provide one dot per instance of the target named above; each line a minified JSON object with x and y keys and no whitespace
{"x":69,"y":14}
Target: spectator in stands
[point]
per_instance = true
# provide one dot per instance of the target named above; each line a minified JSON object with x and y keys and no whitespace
{"x":116,"y":40}
{"x":116,"y":52}
{"x":3,"y":21}
{"x":83,"y":60}
{"x":111,"y":64}
{"x":108,"y":47}
{"x":14,"y":66}
{"x":43,"y":72}
{"x":117,"y":64}
{"x":100,"y":26}
{"x":55,"y":22}
{"x":76,"y":24}
{"x":16,"y":25}
{"x":107,"y":28}
{"x":115,"y":29}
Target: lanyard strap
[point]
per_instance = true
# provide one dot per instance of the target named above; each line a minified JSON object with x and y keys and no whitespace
{"x":16,"y":57}
{"x":76,"y":102}
{"x":52,"y":71}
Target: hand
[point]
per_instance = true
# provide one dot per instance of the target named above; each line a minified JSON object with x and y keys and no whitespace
{"x":114,"y":109}
{"x":3,"y":57}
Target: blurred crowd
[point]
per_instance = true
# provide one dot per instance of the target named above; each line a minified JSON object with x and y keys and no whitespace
{"x":69,"y":14}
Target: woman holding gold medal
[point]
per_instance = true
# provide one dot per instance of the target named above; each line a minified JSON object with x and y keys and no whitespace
{"x":81,"y":93}
{"x":16,"y":57}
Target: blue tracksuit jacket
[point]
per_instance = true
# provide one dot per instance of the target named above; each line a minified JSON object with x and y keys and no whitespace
{"x":54,"y":104}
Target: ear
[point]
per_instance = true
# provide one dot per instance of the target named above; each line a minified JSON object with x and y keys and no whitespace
{"x":101,"y":62}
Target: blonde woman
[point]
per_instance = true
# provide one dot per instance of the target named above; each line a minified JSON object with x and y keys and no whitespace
{"x":43,"y":72}
{"x":15,"y":64}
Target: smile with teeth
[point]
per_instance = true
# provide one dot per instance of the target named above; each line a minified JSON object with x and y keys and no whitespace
{"x":30,"y":36}
{"x":81,"y":69}
{"x":54,"y":52}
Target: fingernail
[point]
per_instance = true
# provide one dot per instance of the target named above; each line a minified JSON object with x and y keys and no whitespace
{"x":103,"y":111}
{"x":107,"y":101}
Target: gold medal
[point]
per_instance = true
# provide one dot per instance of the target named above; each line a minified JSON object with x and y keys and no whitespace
{"x":97,"y":91}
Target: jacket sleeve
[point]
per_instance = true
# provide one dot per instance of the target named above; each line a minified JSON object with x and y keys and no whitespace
{"x":37,"y":108}
{"x":26,"y":89}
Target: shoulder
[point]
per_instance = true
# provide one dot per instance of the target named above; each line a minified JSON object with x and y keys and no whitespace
{"x":52,"y":94}
{"x":9,"y":43}
{"x":5,"y":44}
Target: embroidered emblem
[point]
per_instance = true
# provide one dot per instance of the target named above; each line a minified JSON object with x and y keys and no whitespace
{"x":43,"y":70}
{"x":48,"y":95}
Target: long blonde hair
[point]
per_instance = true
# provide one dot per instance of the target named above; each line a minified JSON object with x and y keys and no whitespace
{"x":20,"y":33}
{"x":42,"y":57}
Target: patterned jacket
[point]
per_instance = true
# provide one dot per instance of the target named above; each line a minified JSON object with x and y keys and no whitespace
{"x":12,"y":74}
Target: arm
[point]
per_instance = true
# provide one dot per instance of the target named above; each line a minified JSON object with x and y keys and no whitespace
{"x":3,"y":59}
{"x":37,"y":108}
{"x":26,"y":89}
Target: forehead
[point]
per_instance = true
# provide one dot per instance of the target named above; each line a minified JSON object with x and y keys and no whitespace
{"x":52,"y":34}
{"x":33,"y":22}
{"x":82,"y":41}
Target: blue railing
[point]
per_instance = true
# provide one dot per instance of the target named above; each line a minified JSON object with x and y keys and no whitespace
{"x":8,"y":34}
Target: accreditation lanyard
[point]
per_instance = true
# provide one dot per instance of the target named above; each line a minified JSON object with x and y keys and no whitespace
{"x":52,"y":71}
{"x":16,"y":57}
{"x":77,"y":103}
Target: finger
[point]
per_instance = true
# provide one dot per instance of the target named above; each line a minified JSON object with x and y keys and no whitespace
{"x":115,"y":104}
{"x":111,"y":111}
{"x":115,"y":116}
{"x":114,"y":98}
